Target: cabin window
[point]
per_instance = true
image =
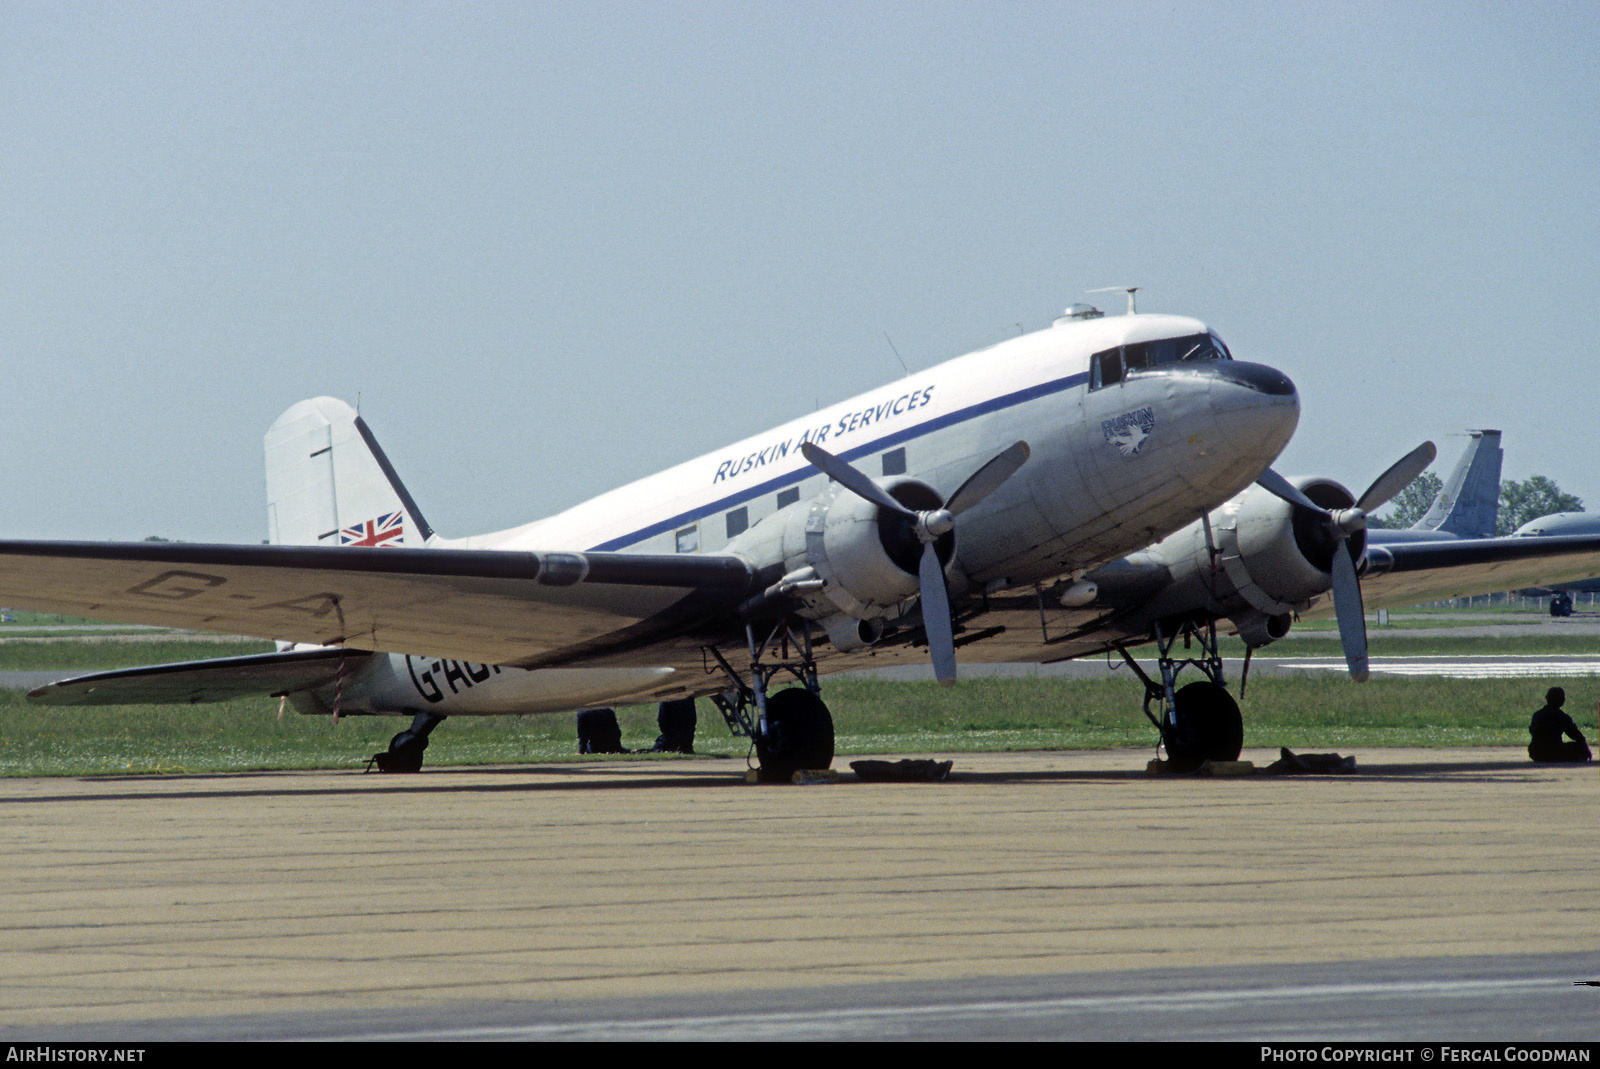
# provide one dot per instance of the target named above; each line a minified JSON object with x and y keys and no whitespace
{"x":788,"y":497}
{"x":689,"y":539}
{"x":894,"y":461}
{"x":738,"y":521}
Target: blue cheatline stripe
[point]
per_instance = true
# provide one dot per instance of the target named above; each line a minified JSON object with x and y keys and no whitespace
{"x":806,"y":471}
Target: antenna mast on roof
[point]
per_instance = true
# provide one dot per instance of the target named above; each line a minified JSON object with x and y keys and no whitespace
{"x":1129,"y":290}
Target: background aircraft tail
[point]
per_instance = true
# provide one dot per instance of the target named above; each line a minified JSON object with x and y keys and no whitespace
{"x":1469,"y":501}
{"x":329,"y":483}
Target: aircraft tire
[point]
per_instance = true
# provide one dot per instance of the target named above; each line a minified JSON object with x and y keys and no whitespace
{"x":403,"y":755}
{"x":1210,"y":726}
{"x":799,"y":734}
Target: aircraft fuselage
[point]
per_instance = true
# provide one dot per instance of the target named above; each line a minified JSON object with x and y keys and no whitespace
{"x":1125,"y":449}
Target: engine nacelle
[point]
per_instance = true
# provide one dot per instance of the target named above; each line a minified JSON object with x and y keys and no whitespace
{"x":866,"y":557}
{"x":1279,"y":558}
{"x":1272,"y":560}
{"x":845,"y":559}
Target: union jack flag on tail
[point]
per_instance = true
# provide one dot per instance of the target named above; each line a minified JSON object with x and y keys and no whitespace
{"x":387,"y":530}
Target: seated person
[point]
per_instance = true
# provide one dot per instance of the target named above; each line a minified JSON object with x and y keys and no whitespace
{"x":599,"y":732}
{"x":1549,"y":725}
{"x":677,"y":722}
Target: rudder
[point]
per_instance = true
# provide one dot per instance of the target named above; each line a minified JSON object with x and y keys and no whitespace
{"x":1469,"y":501}
{"x":329,"y":482}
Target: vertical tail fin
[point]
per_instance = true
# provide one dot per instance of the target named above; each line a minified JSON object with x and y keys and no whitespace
{"x":329,"y":483}
{"x":1469,"y":501}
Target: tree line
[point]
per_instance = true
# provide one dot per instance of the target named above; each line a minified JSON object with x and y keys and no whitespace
{"x":1520,"y":501}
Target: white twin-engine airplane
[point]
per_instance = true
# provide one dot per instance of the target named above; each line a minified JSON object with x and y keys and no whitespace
{"x":1045,"y":498}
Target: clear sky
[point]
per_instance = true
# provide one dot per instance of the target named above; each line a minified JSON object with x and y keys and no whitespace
{"x":551,"y":247}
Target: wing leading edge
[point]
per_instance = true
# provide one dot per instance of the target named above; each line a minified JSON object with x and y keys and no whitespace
{"x":529,"y":609}
{"x":1406,"y":573}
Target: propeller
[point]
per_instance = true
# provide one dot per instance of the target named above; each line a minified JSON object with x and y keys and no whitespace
{"x":929,"y":526}
{"x":1341,"y":524}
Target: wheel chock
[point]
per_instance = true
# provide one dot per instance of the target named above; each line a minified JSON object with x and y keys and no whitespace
{"x":1158,"y":767}
{"x":1227,"y":768}
{"x":802,"y":776}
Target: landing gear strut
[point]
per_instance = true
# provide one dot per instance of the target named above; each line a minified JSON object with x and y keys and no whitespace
{"x":1200,"y":721}
{"x":405,"y":749}
{"x":791,"y":729}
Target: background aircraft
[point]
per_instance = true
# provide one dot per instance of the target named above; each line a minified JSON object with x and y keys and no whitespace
{"x":1467,"y":504}
{"x":1562,"y":524}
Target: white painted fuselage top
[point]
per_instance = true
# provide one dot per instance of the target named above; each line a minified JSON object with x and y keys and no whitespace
{"x":1112,"y":468}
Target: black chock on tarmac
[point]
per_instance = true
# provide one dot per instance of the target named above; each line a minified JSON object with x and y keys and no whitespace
{"x":1316,"y":764}
{"x":907,"y":771}
{"x":1288,"y":763}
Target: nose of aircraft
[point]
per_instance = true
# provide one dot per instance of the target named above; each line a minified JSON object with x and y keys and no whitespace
{"x":1257,"y":378}
{"x":1254,"y":410}
{"x":1256,"y":405}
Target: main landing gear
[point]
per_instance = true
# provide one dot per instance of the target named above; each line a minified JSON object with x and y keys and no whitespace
{"x":1199,"y":722}
{"x":791,"y":729}
{"x":405,"y":749}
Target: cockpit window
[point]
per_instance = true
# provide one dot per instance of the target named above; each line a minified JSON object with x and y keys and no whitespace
{"x":1112,"y":365}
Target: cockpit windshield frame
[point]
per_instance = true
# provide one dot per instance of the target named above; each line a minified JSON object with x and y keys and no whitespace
{"x":1111,"y":366}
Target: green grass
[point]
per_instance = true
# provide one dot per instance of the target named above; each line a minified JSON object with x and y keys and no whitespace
{"x":1321,"y":711}
{"x":1400,"y":644}
{"x":94,"y":653}
{"x":24,"y":618}
{"x":248,"y":735}
{"x":1317,"y":713}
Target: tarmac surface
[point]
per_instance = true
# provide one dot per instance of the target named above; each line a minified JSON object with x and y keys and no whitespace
{"x":1440,"y":894}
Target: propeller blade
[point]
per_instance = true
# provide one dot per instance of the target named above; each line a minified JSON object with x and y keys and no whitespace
{"x":1342,"y":523}
{"x":1399,"y":476}
{"x":1352,"y":615}
{"x":850,"y":478}
{"x":1279,"y":487}
{"x":936,"y":616}
{"x":929,"y":526}
{"x":983,"y":482}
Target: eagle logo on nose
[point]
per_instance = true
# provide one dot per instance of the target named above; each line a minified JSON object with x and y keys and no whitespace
{"x":1129,"y":431}
{"x":1129,"y":440}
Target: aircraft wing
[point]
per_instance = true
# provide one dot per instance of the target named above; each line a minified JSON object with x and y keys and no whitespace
{"x":1406,"y":573}
{"x":218,"y":679}
{"x":528,"y":609}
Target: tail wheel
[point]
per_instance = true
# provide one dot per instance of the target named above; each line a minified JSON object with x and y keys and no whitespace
{"x":1209,"y":726}
{"x":799,"y":734}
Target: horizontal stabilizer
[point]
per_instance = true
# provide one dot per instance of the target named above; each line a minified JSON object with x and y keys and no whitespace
{"x":214,"y":680}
